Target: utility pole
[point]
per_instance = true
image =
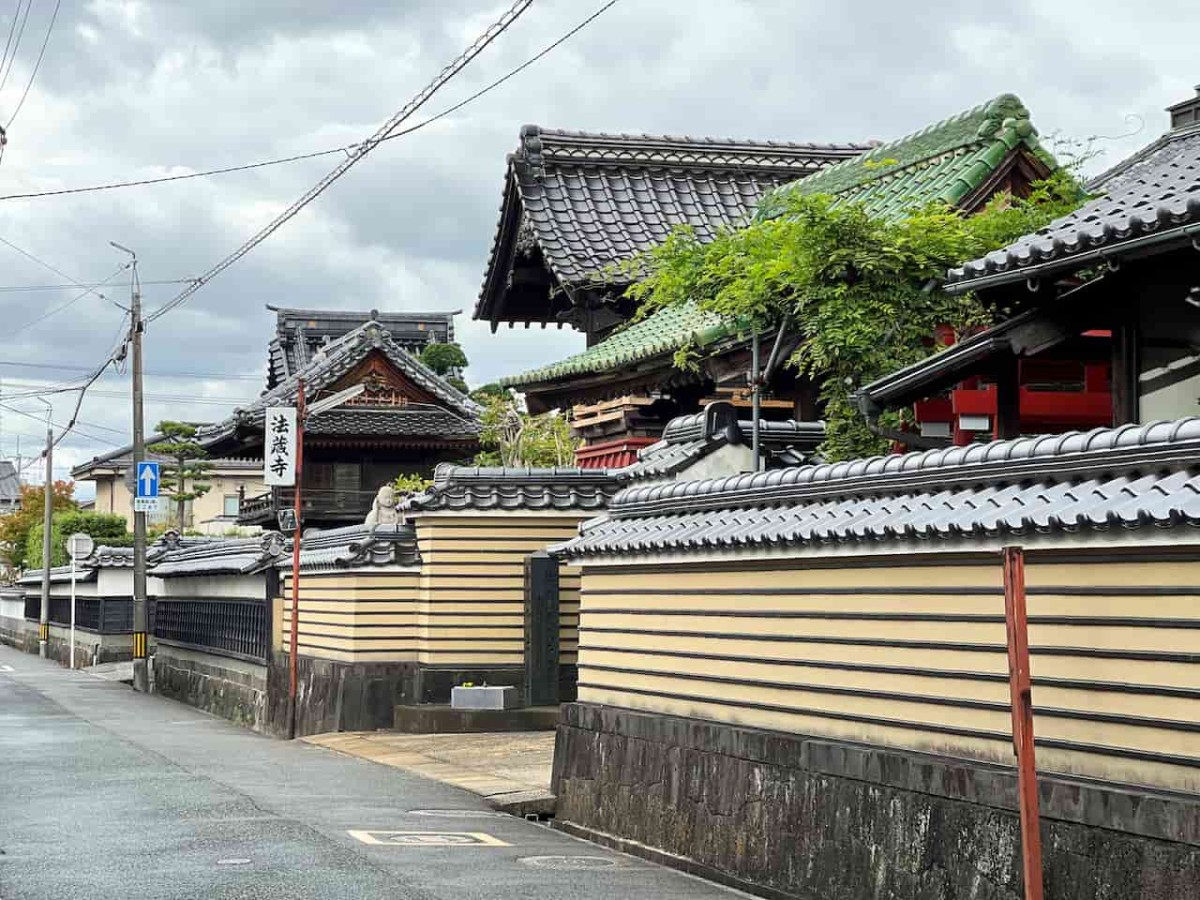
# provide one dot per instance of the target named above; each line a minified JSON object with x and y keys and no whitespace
{"x":47,"y":519}
{"x":141,"y":677}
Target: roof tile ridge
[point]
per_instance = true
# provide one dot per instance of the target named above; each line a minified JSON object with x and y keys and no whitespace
{"x":979,"y":461}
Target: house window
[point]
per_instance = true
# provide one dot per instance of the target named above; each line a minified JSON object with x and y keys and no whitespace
{"x":229,"y":506}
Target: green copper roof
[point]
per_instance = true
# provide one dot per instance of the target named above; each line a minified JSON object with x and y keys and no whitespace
{"x":943,"y":163}
{"x":664,"y":332}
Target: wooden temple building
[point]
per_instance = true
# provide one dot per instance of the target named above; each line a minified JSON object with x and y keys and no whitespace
{"x":406,"y":420}
{"x":1107,"y":323}
{"x":576,"y":205}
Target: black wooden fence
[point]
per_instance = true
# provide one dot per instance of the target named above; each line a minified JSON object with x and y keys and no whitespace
{"x":103,"y":615}
{"x":227,"y":627}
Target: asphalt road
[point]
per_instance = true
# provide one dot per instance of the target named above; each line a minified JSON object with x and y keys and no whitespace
{"x":105,"y":793}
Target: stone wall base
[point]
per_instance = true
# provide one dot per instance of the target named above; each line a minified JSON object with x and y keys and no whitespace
{"x":436,"y":682}
{"x":229,"y":688}
{"x":786,"y":815}
{"x":90,"y":648}
{"x":338,"y":696}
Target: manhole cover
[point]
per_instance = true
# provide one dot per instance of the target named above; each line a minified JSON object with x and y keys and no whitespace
{"x":569,"y":862}
{"x":458,"y":814}
{"x":235,"y":861}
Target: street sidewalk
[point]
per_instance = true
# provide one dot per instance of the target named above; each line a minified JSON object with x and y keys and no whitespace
{"x":509,"y":770}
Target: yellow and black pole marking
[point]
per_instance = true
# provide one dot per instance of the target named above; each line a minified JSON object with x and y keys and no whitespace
{"x":139,"y":645}
{"x":44,"y":632}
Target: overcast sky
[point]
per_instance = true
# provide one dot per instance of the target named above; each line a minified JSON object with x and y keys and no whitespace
{"x":131,"y":89}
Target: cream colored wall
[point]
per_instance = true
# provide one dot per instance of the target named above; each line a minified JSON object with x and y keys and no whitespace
{"x":472,"y":591}
{"x":369,"y":616}
{"x":912,"y":656}
{"x":112,"y":496}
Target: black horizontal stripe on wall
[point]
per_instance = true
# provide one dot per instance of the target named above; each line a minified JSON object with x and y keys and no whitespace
{"x":854,"y":615}
{"x":1000,"y":736}
{"x":902,"y":697}
{"x":355,"y":650}
{"x":306,"y":583}
{"x":494,"y":589}
{"x":882,"y":669}
{"x":468,"y":652}
{"x":1164,"y":590}
{"x":1095,"y":652}
{"x":938,"y":591}
{"x":451,"y":639}
{"x":310,"y":632}
{"x":356,"y":625}
{"x":304,"y":598}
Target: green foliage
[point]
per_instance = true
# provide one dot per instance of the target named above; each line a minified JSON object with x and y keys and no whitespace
{"x":512,"y":437}
{"x":105,"y":528}
{"x":486,"y":392}
{"x":15,"y":527}
{"x":409,"y":483}
{"x":183,"y":477}
{"x":863,"y":292}
{"x":444,"y":358}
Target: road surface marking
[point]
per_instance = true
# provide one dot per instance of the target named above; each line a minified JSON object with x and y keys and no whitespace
{"x":428,"y":838}
{"x":4,"y":668}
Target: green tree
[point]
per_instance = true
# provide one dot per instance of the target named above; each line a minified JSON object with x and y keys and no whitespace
{"x":444,"y":358}
{"x":105,"y":528}
{"x":409,"y":483}
{"x":512,"y":437}
{"x":485,"y":392}
{"x":15,"y":527}
{"x":863,"y":292}
{"x":183,"y":478}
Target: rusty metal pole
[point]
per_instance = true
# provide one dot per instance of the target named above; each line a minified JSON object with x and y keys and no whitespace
{"x":1020,"y":687}
{"x":293,"y":665}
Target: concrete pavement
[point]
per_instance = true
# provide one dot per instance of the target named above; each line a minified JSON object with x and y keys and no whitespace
{"x":509,"y":770}
{"x":107,"y":793}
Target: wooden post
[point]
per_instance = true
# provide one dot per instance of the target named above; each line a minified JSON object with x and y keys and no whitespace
{"x":1008,"y":400}
{"x":1020,"y":687}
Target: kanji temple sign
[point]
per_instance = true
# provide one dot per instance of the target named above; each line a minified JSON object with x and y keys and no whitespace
{"x":279,"y":456}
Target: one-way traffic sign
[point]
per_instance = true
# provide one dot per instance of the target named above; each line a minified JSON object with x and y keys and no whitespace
{"x":147,"y":479}
{"x":145,"y":498}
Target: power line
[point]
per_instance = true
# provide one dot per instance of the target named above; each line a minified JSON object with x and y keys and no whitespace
{"x":157,"y":372}
{"x":36,"y":65}
{"x":17,"y":43}
{"x":60,"y":273}
{"x":494,"y":31}
{"x":30,"y":288}
{"x":54,"y":310}
{"x":346,"y":149}
{"x":11,"y":29}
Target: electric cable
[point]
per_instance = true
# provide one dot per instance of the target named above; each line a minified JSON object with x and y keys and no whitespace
{"x":17,"y":43}
{"x":361,"y":150}
{"x":11,"y":30}
{"x":348,"y":148}
{"x":36,"y":65}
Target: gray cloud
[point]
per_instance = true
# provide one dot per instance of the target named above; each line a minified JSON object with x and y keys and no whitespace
{"x":138,"y":88}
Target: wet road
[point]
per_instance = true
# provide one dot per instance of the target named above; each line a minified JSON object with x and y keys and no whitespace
{"x":105,"y":793}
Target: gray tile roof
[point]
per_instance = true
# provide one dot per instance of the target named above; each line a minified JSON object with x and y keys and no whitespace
{"x":1152,"y":196}
{"x":688,"y":439}
{"x":58,"y":575}
{"x":589,"y":200}
{"x":511,"y":488}
{"x":416,"y":420}
{"x":334,"y":361}
{"x":301,"y":333}
{"x":355,"y":546}
{"x":1137,"y":475}
{"x":220,"y":556}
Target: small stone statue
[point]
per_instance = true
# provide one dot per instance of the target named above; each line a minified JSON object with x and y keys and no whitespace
{"x":383,"y":510}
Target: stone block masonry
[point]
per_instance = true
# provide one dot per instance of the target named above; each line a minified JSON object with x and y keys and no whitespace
{"x":786,"y":815}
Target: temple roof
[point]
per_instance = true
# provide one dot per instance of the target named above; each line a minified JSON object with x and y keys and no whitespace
{"x":220,"y":556}
{"x":955,"y":161}
{"x":1151,"y":198}
{"x":301,"y":333}
{"x":1135,"y":476}
{"x":353,"y":547}
{"x":453,"y":414}
{"x":586,"y":201}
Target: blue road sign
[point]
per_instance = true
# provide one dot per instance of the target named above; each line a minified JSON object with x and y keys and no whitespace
{"x":147,"y":479}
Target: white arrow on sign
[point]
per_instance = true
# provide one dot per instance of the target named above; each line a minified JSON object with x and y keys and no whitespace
{"x":148,"y":480}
